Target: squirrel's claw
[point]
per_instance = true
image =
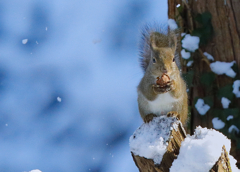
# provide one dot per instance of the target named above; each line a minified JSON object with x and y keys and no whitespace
{"x":149,"y":117}
{"x":173,"y":114}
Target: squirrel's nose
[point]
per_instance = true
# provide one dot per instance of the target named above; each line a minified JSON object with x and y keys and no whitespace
{"x":164,"y":70}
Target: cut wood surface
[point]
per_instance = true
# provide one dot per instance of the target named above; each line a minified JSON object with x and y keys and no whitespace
{"x":223,"y":164}
{"x":174,"y":144}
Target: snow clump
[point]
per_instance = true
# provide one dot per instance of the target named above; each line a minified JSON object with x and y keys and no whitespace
{"x":183,"y":34}
{"x":225,"y":102}
{"x":229,"y":117}
{"x":217,"y":123}
{"x":209,"y":56}
{"x":190,"y":63}
{"x":236,"y":86}
{"x":233,"y":163}
{"x":233,"y":127}
{"x":172,"y":24}
{"x":201,"y":151}
{"x":221,"y":68}
{"x":185,"y":55}
{"x":201,"y":107}
{"x":190,"y":43}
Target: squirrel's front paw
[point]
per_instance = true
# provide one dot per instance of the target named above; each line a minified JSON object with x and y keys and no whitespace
{"x":149,"y":117}
{"x":173,"y":114}
{"x":159,"y":89}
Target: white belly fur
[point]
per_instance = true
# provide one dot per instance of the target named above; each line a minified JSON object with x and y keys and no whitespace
{"x":163,"y":104}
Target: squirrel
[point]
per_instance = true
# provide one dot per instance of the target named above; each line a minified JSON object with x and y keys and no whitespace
{"x":157,"y":52}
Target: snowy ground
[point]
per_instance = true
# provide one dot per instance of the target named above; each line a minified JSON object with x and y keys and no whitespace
{"x":68,"y":76}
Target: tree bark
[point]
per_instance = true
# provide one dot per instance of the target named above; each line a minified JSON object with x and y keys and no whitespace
{"x":224,"y":46}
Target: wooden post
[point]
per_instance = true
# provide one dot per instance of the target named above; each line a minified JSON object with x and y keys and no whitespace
{"x":174,"y":144}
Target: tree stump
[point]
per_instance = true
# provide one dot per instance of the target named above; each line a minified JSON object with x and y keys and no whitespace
{"x":172,"y":133}
{"x":174,"y":143}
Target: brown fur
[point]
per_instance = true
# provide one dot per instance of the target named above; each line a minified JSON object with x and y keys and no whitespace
{"x":162,"y":47}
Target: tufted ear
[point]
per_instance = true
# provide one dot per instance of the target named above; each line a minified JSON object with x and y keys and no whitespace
{"x":154,"y":43}
{"x":158,"y":40}
{"x":172,"y":40}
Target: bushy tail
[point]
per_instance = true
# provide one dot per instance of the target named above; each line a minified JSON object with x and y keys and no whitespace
{"x":144,"y":47}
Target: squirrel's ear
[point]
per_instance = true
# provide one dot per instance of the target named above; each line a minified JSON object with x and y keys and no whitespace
{"x":173,"y":41}
{"x":153,"y":41}
{"x":158,"y":40}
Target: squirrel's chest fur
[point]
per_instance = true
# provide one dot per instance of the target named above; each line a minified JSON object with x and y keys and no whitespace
{"x":163,"y":104}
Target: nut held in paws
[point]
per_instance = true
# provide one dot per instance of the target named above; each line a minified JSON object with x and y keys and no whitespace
{"x":163,"y":80}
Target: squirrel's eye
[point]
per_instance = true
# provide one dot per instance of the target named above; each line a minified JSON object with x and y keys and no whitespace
{"x":154,"y":60}
{"x":173,"y":59}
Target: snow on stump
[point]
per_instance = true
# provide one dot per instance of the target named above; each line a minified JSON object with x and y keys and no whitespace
{"x":162,"y":146}
{"x":206,"y":150}
{"x":156,"y":144}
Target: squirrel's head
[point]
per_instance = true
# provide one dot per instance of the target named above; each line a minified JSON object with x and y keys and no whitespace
{"x":163,"y":49}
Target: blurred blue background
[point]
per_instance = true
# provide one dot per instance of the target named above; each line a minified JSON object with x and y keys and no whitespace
{"x":68,"y":98}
